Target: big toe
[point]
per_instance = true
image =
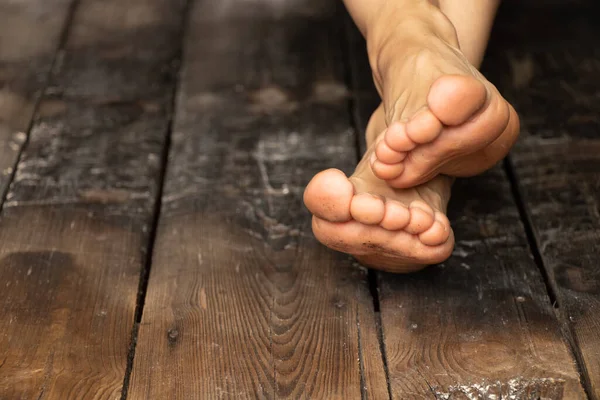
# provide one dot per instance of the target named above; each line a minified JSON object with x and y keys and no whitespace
{"x":455,"y":98}
{"x":329,"y":196}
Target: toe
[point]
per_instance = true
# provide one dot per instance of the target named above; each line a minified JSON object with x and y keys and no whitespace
{"x":367,"y":208}
{"x":438,"y":233}
{"x":387,"y":155}
{"x":387,"y":171}
{"x":396,"y":216}
{"x":421,"y":217}
{"x":455,"y":98}
{"x":424,"y":127}
{"x":328,"y":196}
{"x":397,"y":139}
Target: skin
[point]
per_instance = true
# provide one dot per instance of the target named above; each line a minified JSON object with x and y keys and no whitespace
{"x":439,"y":118}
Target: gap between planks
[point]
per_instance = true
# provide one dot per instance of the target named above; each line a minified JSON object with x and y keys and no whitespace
{"x":147,"y":267}
{"x":350,"y":78}
{"x":64,"y":34}
{"x":520,"y":314}
{"x":566,"y":328}
{"x":193,"y":326}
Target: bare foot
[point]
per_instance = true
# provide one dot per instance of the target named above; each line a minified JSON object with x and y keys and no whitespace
{"x":441,"y":115}
{"x":397,"y":230}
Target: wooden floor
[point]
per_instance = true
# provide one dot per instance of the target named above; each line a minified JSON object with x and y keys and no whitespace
{"x":153,"y":241}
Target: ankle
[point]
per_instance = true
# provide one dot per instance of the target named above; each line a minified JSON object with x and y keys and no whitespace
{"x":403,"y":25}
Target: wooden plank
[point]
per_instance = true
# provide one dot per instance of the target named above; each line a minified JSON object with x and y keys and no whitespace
{"x":242,"y":301}
{"x":479,"y":326}
{"x":30,"y":33}
{"x":557,"y":161}
{"x":75,"y":226}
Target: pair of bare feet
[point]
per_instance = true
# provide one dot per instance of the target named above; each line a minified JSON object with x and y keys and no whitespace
{"x":439,"y":119}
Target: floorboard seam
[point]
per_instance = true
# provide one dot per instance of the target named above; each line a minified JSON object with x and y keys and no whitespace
{"x":350,"y":80}
{"x":156,"y":213}
{"x":64,"y":34}
{"x":529,"y":232}
{"x":561,"y":316}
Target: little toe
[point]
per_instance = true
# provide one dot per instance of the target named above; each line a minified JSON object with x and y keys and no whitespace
{"x":387,"y":171}
{"x":421,"y":217}
{"x":424,"y":127}
{"x":396,"y":216}
{"x":397,"y":139}
{"x":455,"y":98}
{"x":328,"y":196}
{"x":367,"y":208}
{"x":387,"y":155}
{"x":438,"y":233}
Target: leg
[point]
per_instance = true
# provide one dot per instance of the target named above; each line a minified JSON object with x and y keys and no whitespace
{"x":390,"y":213}
{"x":473,"y":21}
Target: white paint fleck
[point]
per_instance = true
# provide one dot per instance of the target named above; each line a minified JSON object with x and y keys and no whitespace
{"x":20,"y":137}
{"x":513,"y":389}
{"x":458,"y":252}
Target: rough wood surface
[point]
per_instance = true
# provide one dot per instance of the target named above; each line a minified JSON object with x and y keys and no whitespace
{"x":552,"y":78}
{"x":242,"y":302}
{"x":481,"y":325}
{"x":30,"y":32}
{"x":75,"y":226}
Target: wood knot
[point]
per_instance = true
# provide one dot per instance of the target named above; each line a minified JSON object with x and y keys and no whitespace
{"x":338,"y":303}
{"x":172,"y":336}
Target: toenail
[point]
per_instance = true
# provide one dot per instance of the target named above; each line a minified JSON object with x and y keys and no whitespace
{"x":373,"y":158}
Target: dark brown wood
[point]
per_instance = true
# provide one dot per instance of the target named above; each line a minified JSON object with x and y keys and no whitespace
{"x":553,"y":81}
{"x":242,"y":301}
{"x":30,"y":33}
{"x":75,"y":226}
{"x":481,"y":325}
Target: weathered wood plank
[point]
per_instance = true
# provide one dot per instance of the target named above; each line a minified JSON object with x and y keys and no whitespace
{"x":75,"y":226}
{"x":242,"y":301}
{"x":481,"y":324}
{"x":30,"y":32}
{"x":557,"y":161}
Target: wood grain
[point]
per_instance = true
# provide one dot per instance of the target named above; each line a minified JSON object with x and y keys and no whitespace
{"x":75,"y":226}
{"x":30,"y":33}
{"x":242,"y":301}
{"x":481,"y":325}
{"x":557,"y":163}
